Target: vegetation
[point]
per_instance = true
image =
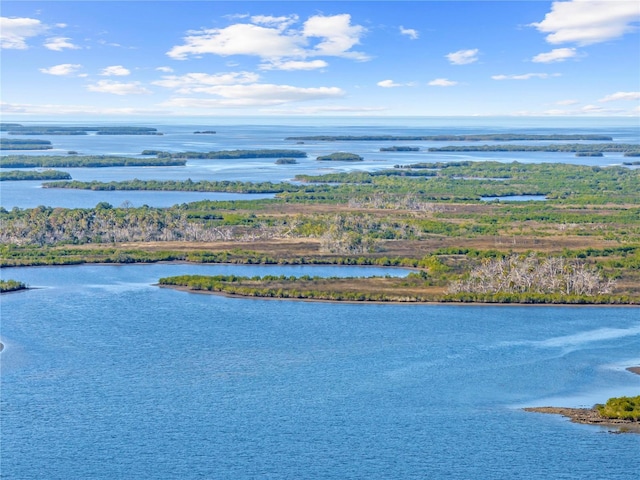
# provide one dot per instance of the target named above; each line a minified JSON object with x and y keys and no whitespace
{"x":494,"y":137}
{"x":589,"y":154}
{"x":205,"y":132}
{"x":621,"y":407}
{"x":24,"y":144}
{"x":286,"y":161}
{"x":31,"y":175}
{"x":340,"y":157}
{"x":56,"y":161}
{"x":229,"y":154}
{"x":563,"y":147}
{"x":400,"y":149}
{"x":17,"y":129}
{"x":11,"y":286}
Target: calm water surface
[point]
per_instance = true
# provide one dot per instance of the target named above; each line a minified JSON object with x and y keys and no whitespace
{"x":106,"y":376}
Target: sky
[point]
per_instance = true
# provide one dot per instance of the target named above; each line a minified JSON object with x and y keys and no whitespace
{"x":128,"y":59}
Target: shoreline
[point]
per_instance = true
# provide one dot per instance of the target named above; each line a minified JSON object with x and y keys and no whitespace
{"x":398,"y":302}
{"x":591,"y":416}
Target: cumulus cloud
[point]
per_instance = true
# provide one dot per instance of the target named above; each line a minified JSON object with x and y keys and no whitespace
{"x":442,"y":82}
{"x":199,"y":82}
{"x":258,"y":94}
{"x":14,"y":32}
{"x":294,"y":65}
{"x":165,"y":69}
{"x":392,"y":84}
{"x":555,"y":55}
{"x":463,"y":57}
{"x":525,"y":76}
{"x":587,"y":22}
{"x":118,"y":88}
{"x":58,"y":44}
{"x":63,"y":69}
{"x":115,"y":71}
{"x":54,"y":109}
{"x":409,"y":32}
{"x":273,"y":39}
{"x":621,"y":96}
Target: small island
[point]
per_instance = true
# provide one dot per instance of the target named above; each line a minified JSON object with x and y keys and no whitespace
{"x":228,"y":154}
{"x":17,"y":129}
{"x":340,"y":157}
{"x":13,"y":175}
{"x":7,"y":286}
{"x":286,"y":161}
{"x":622,"y":413}
{"x":400,"y":149}
{"x":24,"y":144}
{"x":205,"y":132}
{"x":589,"y":154}
{"x":492,"y":137}
{"x":86,"y":161}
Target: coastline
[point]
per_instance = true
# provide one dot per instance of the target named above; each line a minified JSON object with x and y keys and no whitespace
{"x":591,"y":416}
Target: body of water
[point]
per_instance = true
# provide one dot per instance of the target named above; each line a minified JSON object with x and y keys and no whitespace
{"x":107,"y":376}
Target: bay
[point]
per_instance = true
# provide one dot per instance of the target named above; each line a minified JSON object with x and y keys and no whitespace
{"x":105,"y":375}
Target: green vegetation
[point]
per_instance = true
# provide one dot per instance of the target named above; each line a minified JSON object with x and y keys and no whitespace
{"x":494,"y":137}
{"x":229,"y":154}
{"x":17,"y":129}
{"x":31,"y":175}
{"x":57,"y":161}
{"x":205,"y":132}
{"x":340,"y":157}
{"x":627,"y":408}
{"x":11,"y":286}
{"x":589,"y":154}
{"x":286,"y":161}
{"x":400,"y":149}
{"x":24,"y":144}
{"x":632,"y":154}
{"x":568,"y":147}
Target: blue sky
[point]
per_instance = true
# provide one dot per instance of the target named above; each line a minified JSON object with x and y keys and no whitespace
{"x":126,"y":59}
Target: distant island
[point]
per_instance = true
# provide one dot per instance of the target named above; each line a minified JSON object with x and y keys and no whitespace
{"x":55,"y":161}
{"x":24,"y":144}
{"x":492,"y":137}
{"x":228,"y":154}
{"x":18,"y":129}
{"x":205,"y":132}
{"x":286,"y":161}
{"x":13,"y":175}
{"x":565,"y":147}
{"x":340,"y":157}
{"x":11,"y":286}
{"x":400,"y":149}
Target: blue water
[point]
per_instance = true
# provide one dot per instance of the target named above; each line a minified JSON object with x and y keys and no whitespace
{"x":106,"y":376}
{"x":261,"y":133}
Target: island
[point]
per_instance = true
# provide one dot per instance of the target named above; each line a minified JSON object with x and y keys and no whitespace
{"x":286,"y":161}
{"x":494,"y":137}
{"x":228,"y":154}
{"x":399,"y":149}
{"x":621,"y":413}
{"x":340,"y":157}
{"x":24,"y":144}
{"x":86,"y":161}
{"x":7,"y":286}
{"x":205,"y":132}
{"x":562,"y":147}
{"x":18,"y":129}
{"x":13,"y":175}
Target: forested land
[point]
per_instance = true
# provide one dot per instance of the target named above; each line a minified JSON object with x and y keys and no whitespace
{"x":24,"y":144}
{"x":59,"y":161}
{"x":18,"y":129}
{"x":11,"y":286}
{"x":33,"y":175}
{"x":491,"y":137}
{"x":630,"y":148}
{"x":228,"y":154}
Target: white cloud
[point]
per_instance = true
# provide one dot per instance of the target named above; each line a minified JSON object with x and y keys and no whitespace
{"x":118,"y":88}
{"x":555,"y":55}
{"x":525,"y":76}
{"x":258,"y":94}
{"x":58,"y":44}
{"x":463,"y":57}
{"x":53,"y":109}
{"x":294,"y":65}
{"x":586,"y":22}
{"x":270,"y":38}
{"x":313,"y":110}
{"x":409,"y":32}
{"x":621,"y":96}
{"x":165,"y":69}
{"x":115,"y":71}
{"x":442,"y":82}
{"x":62,"y":69}
{"x":198,"y":82}
{"x":14,"y":32}
{"x":392,"y":84}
